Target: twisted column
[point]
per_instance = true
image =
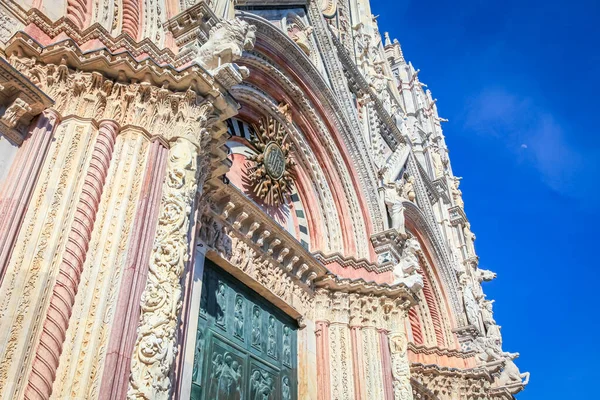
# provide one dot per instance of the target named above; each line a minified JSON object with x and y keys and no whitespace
{"x":77,"y":11}
{"x":155,"y":348}
{"x":20,"y":182}
{"x":131,"y":17}
{"x":62,"y":299}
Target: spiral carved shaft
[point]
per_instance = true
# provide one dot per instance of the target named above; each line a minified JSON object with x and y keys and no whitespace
{"x":63,"y":295}
{"x":77,"y":10}
{"x":131,"y":17}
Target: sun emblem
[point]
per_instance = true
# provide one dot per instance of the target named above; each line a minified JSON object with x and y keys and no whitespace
{"x":270,"y":171}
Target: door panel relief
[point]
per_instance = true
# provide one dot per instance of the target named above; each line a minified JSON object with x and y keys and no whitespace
{"x":245,"y":347}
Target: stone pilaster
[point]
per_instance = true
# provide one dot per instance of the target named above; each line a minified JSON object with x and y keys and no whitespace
{"x":123,"y":333}
{"x":34,"y":264}
{"x":340,"y":348}
{"x":86,"y":342}
{"x":398,"y":346}
{"x":154,"y":352}
{"x":69,"y":271}
{"x":19,"y":183}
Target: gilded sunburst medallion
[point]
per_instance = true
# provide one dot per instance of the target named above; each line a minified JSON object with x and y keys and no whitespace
{"x":271,"y":170}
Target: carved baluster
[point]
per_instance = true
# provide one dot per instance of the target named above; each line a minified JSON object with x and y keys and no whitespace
{"x":227,"y":209}
{"x":301,"y":269}
{"x":310,"y":277}
{"x":239,"y":219}
{"x":284,"y":252}
{"x":274,"y":243}
{"x":291,"y":264}
{"x":263,"y":236}
{"x":253,"y":228}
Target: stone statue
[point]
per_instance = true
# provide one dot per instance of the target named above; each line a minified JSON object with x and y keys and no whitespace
{"x":457,"y":193}
{"x":438,"y":165}
{"x":487,"y":314}
{"x":511,"y":377}
{"x":470,"y":303}
{"x":227,"y":41}
{"x":407,"y":270}
{"x":408,"y":189}
{"x":469,"y":239}
{"x":393,"y":200}
{"x":301,"y":36}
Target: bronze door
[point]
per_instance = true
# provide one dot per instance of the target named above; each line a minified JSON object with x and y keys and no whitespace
{"x":245,"y":346}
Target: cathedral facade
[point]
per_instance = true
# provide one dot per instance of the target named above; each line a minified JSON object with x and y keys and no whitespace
{"x":231,"y":199}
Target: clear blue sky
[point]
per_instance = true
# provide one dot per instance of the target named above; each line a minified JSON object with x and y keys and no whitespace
{"x":519,"y":82}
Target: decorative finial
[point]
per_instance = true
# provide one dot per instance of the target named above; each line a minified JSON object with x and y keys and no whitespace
{"x":387,"y":39}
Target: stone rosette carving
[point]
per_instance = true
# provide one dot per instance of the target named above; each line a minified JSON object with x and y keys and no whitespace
{"x":271,"y":170}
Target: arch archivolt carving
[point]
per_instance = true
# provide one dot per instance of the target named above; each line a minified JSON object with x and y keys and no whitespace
{"x":306,"y":160}
{"x":365,"y":170}
{"x":438,"y":252}
{"x":307,"y":110}
{"x":439,"y":299}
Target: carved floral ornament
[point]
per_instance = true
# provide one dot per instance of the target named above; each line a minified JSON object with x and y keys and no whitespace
{"x":271,"y":174}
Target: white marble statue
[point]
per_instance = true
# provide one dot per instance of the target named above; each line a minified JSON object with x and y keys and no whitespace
{"x":407,"y":270}
{"x":408,"y":189}
{"x":469,"y":239}
{"x":228,"y":39}
{"x":393,"y":200}
{"x":456,"y":193}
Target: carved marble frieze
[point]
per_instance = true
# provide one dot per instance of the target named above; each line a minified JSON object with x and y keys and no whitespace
{"x":20,"y":101}
{"x":183,"y":103}
{"x":250,"y":241}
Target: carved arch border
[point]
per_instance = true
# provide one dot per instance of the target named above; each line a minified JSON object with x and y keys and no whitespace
{"x":312,"y":119}
{"x":356,"y":158}
{"x":254,"y":97}
{"x":447,"y":276}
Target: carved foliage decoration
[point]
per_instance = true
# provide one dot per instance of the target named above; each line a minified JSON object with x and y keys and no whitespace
{"x":271,"y":172}
{"x":91,"y":95}
{"x":154,"y":351}
{"x":400,"y":366}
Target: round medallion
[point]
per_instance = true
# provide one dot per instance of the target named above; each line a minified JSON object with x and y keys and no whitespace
{"x":274,"y":161}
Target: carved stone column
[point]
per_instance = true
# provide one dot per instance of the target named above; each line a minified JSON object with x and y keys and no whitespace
{"x":340,"y":349}
{"x":123,"y":333}
{"x":322,"y":304}
{"x":398,"y":343}
{"x":155,"y":348}
{"x":370,"y":344}
{"x":357,"y":347}
{"x":323,"y":381}
{"x":19,"y":183}
{"x":70,"y":269}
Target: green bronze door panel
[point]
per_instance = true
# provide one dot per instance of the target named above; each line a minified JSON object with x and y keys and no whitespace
{"x":245,"y":346}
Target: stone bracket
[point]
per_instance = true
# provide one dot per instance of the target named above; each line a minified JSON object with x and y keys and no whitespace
{"x":20,"y":102}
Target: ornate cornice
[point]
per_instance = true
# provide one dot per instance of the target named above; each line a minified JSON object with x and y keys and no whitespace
{"x":244,"y":216}
{"x":440,"y":351}
{"x":96,"y":32}
{"x":360,"y":286}
{"x":192,"y":24}
{"x":120,"y":65}
{"x":352,"y":262}
{"x":20,"y":101}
